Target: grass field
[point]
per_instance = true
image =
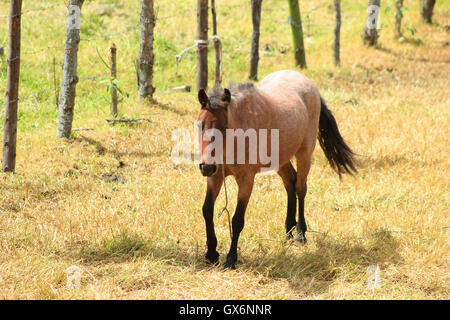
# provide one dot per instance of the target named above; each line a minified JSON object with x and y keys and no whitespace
{"x":145,"y":238}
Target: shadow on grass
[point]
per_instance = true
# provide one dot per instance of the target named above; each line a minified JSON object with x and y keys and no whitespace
{"x":414,"y":42}
{"x":102,"y":150}
{"x":167,"y":107}
{"x":309,"y":273}
{"x":127,"y":246}
{"x":312,"y":273}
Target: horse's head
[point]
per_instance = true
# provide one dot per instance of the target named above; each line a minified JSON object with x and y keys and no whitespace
{"x":213,"y":118}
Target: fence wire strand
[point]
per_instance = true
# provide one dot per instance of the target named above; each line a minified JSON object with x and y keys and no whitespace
{"x":34,"y":10}
{"x":197,"y":43}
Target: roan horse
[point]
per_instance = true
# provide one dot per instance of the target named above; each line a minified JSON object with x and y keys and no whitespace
{"x":284,"y":100}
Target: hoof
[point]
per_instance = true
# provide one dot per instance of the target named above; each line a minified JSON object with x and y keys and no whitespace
{"x":229,"y":264}
{"x":290,"y":230}
{"x":300,"y":239}
{"x":212,"y":257}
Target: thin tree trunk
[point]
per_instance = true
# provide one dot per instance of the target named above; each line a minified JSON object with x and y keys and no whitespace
{"x":254,"y":57}
{"x":398,"y":18}
{"x":146,"y":56}
{"x":114,"y":100}
{"x":297,"y":33}
{"x":370,"y":34}
{"x":337,"y":32}
{"x":69,"y":77}
{"x":217,"y":46}
{"x":426,"y":11}
{"x":12,"y":87}
{"x":202,"y":44}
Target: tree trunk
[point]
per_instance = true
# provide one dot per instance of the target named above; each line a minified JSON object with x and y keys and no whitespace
{"x":254,"y":57}
{"x":12,"y":87}
{"x":426,"y":11}
{"x":297,"y":33}
{"x":398,"y":18}
{"x":70,"y":77}
{"x":370,"y":34}
{"x":202,"y":44}
{"x":337,"y":32}
{"x":146,"y":56}
{"x":217,"y":46}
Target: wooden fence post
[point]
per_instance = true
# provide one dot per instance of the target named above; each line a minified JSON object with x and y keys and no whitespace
{"x":69,"y":77}
{"x":146,"y":56}
{"x":114,"y":100}
{"x":337,"y":32}
{"x":202,"y":44}
{"x":12,"y":87}
{"x":217,"y":46}
{"x":254,"y":57}
{"x":297,"y":33}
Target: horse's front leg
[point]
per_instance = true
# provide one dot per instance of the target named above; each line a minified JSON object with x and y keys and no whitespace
{"x":214,"y":184}
{"x":245,"y":185}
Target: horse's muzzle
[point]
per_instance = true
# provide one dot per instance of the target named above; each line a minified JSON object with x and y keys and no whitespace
{"x":208,"y":170}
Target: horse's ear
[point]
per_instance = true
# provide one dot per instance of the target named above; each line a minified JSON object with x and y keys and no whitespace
{"x":226,"y":96}
{"x":203,"y":98}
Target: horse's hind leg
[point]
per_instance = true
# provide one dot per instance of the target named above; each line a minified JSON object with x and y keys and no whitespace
{"x":289,"y":176}
{"x":303,"y":165}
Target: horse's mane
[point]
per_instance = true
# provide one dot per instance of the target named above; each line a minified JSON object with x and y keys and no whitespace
{"x":238,"y":92}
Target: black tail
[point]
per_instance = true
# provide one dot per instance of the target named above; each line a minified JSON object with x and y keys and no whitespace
{"x":338,"y":153}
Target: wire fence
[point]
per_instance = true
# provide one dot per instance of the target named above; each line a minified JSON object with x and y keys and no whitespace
{"x":236,"y":44}
{"x":52,"y":88}
{"x":35,"y":10}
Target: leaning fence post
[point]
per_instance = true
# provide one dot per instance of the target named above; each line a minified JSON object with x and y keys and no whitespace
{"x":70,"y":77}
{"x":114,"y":100}
{"x":256,"y":19}
{"x":202,"y":44}
{"x":145,"y":62}
{"x":12,"y":87}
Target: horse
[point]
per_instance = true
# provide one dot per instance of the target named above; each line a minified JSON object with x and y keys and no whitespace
{"x":288,"y":102}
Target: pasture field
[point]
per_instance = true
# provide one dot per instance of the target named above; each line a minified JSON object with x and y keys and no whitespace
{"x":145,"y":238}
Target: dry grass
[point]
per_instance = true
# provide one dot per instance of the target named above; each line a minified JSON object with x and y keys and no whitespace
{"x":145,"y":238}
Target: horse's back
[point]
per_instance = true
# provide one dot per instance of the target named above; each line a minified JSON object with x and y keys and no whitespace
{"x":295,"y":103}
{"x":285,"y":85}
